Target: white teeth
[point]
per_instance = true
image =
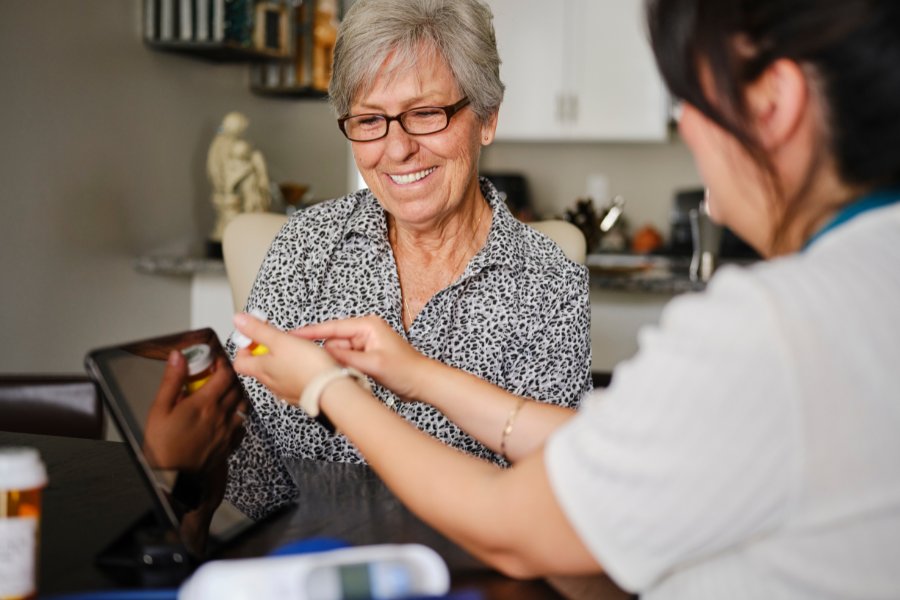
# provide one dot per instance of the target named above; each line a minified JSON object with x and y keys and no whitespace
{"x":411,"y":177}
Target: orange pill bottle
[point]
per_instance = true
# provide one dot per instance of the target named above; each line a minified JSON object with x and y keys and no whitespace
{"x":200,"y":366}
{"x":22,"y":477}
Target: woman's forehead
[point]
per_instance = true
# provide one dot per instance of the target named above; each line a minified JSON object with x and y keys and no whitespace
{"x":407,"y":76}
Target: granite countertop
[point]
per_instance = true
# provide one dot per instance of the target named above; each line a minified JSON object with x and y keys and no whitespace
{"x":640,"y":273}
{"x":612,"y":272}
{"x":178,"y":264}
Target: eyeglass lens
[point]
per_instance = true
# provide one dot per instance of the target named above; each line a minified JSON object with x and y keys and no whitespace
{"x":418,"y":121}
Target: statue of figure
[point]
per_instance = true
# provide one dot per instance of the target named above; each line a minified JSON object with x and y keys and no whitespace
{"x":246,"y":176}
{"x":238,"y":174}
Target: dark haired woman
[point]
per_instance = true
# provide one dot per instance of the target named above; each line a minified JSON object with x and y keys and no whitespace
{"x":752,"y":447}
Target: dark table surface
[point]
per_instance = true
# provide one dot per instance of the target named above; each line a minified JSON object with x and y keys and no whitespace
{"x":95,"y":493}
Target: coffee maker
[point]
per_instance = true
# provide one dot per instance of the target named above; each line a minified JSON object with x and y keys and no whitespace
{"x":513,"y":189}
{"x":680,"y":241}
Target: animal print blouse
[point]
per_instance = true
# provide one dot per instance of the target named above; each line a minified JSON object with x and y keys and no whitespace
{"x":518,"y":316}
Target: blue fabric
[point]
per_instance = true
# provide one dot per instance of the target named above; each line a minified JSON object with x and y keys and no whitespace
{"x":140,"y":594}
{"x":172,"y":594}
{"x":306,"y":546}
{"x":875,"y":200}
{"x":309,"y":545}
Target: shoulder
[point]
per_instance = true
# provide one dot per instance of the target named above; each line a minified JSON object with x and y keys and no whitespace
{"x":543,"y":262}
{"x":326,"y":220}
{"x":531,"y":255}
{"x":328,"y":212}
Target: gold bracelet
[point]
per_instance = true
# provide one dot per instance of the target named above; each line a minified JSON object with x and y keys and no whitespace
{"x":507,"y":429}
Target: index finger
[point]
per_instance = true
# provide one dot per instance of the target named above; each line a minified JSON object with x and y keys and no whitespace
{"x":338,"y":328}
{"x":170,"y":388}
{"x":257,"y":330}
{"x":217,"y":387}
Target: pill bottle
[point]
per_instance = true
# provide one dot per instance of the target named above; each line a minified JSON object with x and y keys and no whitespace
{"x":200,"y":366}
{"x":242,"y":341}
{"x":22,"y":477}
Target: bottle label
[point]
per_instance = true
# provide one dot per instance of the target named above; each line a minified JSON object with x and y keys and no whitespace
{"x":18,"y":545}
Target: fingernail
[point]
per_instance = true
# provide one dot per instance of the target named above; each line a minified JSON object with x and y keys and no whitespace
{"x":173,"y":357}
{"x":240,"y":319}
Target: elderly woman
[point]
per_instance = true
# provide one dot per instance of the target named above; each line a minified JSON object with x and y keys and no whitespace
{"x":428,"y":247}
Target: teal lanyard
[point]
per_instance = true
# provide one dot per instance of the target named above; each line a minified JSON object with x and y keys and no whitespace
{"x":873,"y":201}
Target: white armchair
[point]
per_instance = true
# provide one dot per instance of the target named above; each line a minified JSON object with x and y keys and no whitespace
{"x":246,"y":240}
{"x":566,"y":235}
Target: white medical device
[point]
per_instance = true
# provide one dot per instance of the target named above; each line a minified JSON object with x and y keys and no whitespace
{"x":381,"y":572}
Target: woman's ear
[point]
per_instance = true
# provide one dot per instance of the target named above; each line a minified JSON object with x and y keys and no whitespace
{"x":488,"y":129}
{"x":778,"y":101}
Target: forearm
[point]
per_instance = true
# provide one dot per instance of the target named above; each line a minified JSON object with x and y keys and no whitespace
{"x":483,"y":410}
{"x":506,"y":517}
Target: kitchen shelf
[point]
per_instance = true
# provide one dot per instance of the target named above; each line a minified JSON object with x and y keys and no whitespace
{"x":282,"y":42}
{"x":215,"y":51}
{"x":289,"y":92}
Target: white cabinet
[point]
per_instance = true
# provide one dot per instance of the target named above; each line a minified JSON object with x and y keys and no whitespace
{"x":577,"y":70}
{"x":616,"y":319}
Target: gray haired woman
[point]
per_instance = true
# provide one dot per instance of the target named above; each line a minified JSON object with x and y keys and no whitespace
{"x":429,"y":247}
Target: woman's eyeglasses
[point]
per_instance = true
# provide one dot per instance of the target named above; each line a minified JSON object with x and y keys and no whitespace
{"x":421,"y":120}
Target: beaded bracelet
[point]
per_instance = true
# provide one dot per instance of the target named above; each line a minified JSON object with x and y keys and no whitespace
{"x":309,"y":399}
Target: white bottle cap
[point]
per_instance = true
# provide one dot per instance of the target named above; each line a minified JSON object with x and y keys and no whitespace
{"x":21,"y":469}
{"x":199,"y":358}
{"x":242,"y":341}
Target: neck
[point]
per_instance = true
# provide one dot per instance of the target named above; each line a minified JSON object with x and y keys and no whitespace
{"x":813,"y":206}
{"x":429,"y":260}
{"x":446,"y":238}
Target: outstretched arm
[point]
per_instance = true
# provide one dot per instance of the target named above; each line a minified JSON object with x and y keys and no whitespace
{"x":483,"y":410}
{"x":507,"y":517}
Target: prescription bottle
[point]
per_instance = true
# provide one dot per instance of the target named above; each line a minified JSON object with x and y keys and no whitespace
{"x":200,"y":366}
{"x":22,"y":477}
{"x":242,"y":341}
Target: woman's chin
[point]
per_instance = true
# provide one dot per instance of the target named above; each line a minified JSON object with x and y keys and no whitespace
{"x":419,"y":214}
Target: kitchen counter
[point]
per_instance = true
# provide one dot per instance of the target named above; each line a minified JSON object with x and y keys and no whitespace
{"x":629,"y":292}
{"x":211,"y":303}
{"x":641,"y":274}
{"x":647,"y":274}
{"x":178,"y":264}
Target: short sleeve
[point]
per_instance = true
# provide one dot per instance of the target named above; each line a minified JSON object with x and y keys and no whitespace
{"x":691,"y":449}
{"x":555,"y":362}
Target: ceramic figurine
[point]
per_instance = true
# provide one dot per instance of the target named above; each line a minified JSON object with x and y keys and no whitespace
{"x":237,"y":173}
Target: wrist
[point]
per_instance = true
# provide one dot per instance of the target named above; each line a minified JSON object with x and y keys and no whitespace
{"x":312,"y":394}
{"x":425,"y":372}
{"x":335,"y":394}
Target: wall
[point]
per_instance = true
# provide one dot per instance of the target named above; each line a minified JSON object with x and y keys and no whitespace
{"x":103,"y":160}
{"x":646,"y":174}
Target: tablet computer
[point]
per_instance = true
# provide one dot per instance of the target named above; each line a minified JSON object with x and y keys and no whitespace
{"x":129,"y":376}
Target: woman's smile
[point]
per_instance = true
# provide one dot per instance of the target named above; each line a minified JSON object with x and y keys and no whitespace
{"x":409,"y":178}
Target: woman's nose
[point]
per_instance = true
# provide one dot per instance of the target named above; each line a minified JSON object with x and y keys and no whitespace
{"x":399,"y":145}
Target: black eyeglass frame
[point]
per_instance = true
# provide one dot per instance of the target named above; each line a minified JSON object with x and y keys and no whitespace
{"x":449,"y":110}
